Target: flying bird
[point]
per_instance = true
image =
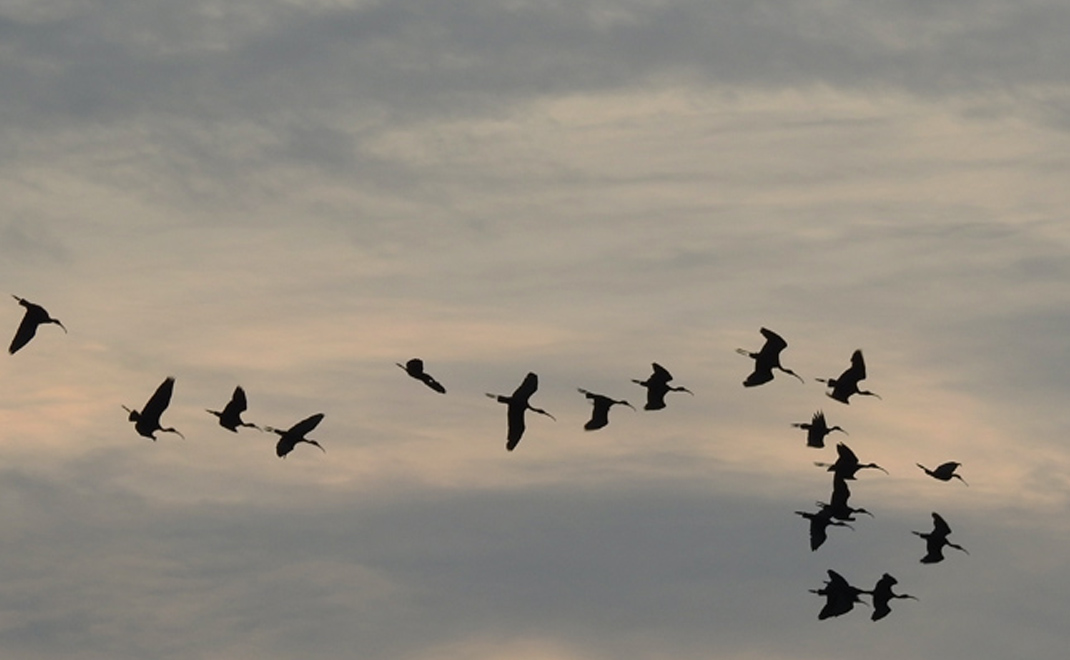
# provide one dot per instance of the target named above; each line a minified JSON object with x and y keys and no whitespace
{"x":840,"y":596}
{"x":518,"y":404}
{"x":230,"y":417}
{"x":838,"y":506}
{"x":415,"y":368}
{"x":657,"y":386}
{"x":943,"y":472}
{"x":847,"y":463}
{"x":767,"y":359}
{"x":819,"y":524}
{"x":936,"y":540}
{"x":882,"y":596}
{"x":35,"y":315}
{"x":847,"y":384}
{"x":600,"y":409}
{"x":817,"y":429}
{"x":289,"y":438}
{"x":147,"y":420}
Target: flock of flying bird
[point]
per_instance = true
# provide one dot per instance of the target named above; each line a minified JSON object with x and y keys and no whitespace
{"x":840,"y":595}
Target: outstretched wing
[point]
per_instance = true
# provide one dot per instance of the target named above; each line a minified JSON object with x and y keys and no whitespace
{"x":27,"y":329}
{"x":527,"y":388}
{"x":845,"y":453}
{"x":159,"y":401}
{"x":774,"y":343}
{"x":940,"y":526}
{"x":238,"y":402}
{"x":306,"y":425}
{"x":661,"y":374}
{"x":858,"y":366}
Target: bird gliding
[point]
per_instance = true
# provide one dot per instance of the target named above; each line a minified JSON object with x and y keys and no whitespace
{"x":600,"y":409}
{"x":518,"y":404}
{"x":289,"y":438}
{"x":35,"y":315}
{"x":944,"y":471}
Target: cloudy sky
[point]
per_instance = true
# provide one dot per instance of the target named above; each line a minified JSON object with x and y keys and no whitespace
{"x":294,"y":195}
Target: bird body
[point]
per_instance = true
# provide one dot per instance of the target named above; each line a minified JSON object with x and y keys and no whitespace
{"x":838,"y":506}
{"x":936,"y":541}
{"x":147,"y":420}
{"x":819,"y":524}
{"x":766,"y":359}
{"x":518,"y":403}
{"x":230,"y":417}
{"x":600,"y":409}
{"x":847,"y":384}
{"x":657,"y":386}
{"x":289,"y":438}
{"x":847,"y":464}
{"x":817,"y":429}
{"x":415,"y":368}
{"x":35,"y":315}
{"x":840,"y":596}
{"x":944,"y":471}
{"x":882,"y":596}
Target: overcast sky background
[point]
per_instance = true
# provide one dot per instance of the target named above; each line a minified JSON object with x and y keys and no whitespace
{"x":293,"y":196}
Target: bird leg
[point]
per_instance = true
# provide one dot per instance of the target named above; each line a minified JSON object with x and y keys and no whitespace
{"x":541,"y":412}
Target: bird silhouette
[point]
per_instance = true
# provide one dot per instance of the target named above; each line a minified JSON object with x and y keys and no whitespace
{"x":944,"y":471}
{"x":657,"y":386}
{"x":847,"y":384}
{"x":847,"y":464}
{"x":147,"y":420}
{"x":518,"y":404}
{"x":600,"y":409}
{"x":819,"y":524}
{"x":838,"y":506}
{"x":415,"y":368}
{"x":936,"y":540}
{"x":230,"y":417}
{"x":35,"y":315}
{"x":817,"y":429}
{"x":840,"y":596}
{"x":882,"y":596}
{"x":289,"y":438}
{"x":767,"y":359}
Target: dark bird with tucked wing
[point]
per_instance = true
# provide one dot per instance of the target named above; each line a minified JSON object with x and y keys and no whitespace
{"x":147,"y":420}
{"x":35,"y":315}
{"x":944,"y":471}
{"x":415,"y":368}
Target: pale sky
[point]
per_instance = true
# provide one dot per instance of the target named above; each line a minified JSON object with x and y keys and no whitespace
{"x":294,"y":196}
